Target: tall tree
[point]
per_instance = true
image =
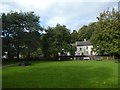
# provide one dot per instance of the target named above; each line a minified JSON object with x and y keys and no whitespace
{"x":47,"y":40}
{"x":55,"y":40}
{"x":82,"y":33}
{"x":86,"y":31}
{"x":19,"y":27}
{"x":62,"y":38}
{"x":74,"y":36}
{"x":106,"y":38}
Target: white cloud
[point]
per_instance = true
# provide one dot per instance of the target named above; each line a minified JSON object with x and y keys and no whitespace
{"x":36,"y":4}
{"x":55,"y":20}
{"x":73,"y":13}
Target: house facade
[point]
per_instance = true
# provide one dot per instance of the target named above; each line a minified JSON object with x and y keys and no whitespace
{"x":84,"y":48}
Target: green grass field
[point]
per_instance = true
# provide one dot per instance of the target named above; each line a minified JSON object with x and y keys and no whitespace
{"x":62,"y":74}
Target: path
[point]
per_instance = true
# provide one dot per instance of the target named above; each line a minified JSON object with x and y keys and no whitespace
{"x":9,"y":65}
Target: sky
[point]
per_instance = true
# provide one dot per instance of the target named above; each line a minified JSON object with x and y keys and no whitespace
{"x":72,"y":13}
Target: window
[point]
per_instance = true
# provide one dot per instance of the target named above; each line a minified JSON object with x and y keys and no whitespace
{"x":82,"y":53}
{"x":91,"y":53}
{"x":86,"y":52}
{"x":80,"y":49}
{"x":86,"y":47}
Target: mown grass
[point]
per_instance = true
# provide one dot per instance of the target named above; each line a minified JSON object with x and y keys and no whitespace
{"x":62,"y":74}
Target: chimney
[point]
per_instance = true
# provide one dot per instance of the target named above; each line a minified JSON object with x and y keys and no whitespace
{"x":84,"y":40}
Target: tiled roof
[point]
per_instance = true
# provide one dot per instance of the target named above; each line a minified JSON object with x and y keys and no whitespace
{"x":83,"y":43}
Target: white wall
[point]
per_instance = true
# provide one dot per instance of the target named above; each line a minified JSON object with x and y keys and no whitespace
{"x":86,"y":50}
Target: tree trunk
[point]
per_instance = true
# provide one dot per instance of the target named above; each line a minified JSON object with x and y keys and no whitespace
{"x":28,"y":57}
{"x":18,"y":53}
{"x":18,"y":50}
{"x":8,"y":55}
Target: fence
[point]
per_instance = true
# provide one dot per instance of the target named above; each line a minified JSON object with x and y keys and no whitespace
{"x":87,"y":57}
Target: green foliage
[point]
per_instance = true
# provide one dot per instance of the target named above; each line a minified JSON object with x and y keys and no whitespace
{"x":20,"y":32}
{"x":20,"y":35}
{"x":55,"y":39}
{"x":106,"y":38}
{"x":82,"y":32}
{"x":72,"y":49}
{"x":74,"y":36}
{"x":86,"y":31}
{"x":47,"y":40}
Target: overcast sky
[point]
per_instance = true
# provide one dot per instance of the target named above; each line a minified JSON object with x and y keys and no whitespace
{"x":72,"y":13}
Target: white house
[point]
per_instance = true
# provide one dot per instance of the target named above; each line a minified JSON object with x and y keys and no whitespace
{"x":84,"y":48}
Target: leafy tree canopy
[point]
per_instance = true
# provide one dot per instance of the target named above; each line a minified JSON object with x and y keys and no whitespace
{"x":106,"y":38}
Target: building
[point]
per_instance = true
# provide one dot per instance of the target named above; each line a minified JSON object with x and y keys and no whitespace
{"x":84,"y":48}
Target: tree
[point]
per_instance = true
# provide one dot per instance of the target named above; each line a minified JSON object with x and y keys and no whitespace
{"x":74,"y":36}
{"x":31,"y":43}
{"x":86,"y":31}
{"x":19,"y":29}
{"x":106,"y":38}
{"x":55,"y":40}
{"x":7,"y":39}
{"x":62,"y":38}
{"x":47,"y":40}
{"x":81,"y":33}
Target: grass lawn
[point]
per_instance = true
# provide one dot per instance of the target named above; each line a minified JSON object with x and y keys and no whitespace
{"x":62,"y":74}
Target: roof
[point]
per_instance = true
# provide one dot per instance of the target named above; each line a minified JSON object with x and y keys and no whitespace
{"x":83,"y":43}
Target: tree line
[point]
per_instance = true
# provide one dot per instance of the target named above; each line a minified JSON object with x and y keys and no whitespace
{"x":21,"y":35}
